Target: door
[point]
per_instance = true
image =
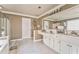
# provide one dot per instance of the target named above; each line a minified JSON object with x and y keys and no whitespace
{"x":26,"y":27}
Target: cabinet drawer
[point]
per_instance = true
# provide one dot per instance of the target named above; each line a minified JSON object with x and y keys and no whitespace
{"x":67,"y":48}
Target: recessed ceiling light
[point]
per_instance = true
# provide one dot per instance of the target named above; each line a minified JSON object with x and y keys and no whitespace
{"x":39,"y":7}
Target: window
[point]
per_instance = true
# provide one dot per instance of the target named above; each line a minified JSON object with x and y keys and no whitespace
{"x":73,"y":24}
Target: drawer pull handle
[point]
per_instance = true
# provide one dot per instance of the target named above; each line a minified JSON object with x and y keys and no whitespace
{"x":69,"y":45}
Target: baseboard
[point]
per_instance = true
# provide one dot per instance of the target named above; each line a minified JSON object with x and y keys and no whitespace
{"x":38,"y":40}
{"x":26,"y":38}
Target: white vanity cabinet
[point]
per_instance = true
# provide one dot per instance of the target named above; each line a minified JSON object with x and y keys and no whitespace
{"x":73,"y":49}
{"x":63,"y":44}
{"x":78,"y":50}
{"x":46,"y":39}
{"x":67,"y":48}
{"x":54,"y":43}
{"x":70,"y":42}
{"x":51,"y":42}
{"x":57,"y":45}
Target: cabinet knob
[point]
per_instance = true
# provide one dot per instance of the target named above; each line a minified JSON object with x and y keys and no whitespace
{"x":70,"y":46}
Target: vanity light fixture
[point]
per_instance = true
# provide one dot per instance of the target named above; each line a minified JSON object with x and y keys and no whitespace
{"x":55,"y":11}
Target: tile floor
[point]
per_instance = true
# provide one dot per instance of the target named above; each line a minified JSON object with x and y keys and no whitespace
{"x":27,"y":46}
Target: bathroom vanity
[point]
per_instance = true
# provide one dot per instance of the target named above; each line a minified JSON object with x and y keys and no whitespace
{"x":60,"y":40}
{"x":61,"y":43}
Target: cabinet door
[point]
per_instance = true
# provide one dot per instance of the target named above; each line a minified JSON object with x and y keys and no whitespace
{"x":46,"y":39}
{"x":65,"y":49}
{"x":57,"y":45}
{"x":73,"y":49}
{"x":51,"y":43}
{"x":68,"y":48}
{"x":78,"y":50}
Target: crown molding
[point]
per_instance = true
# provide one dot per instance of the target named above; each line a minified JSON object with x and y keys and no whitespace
{"x":20,"y":14}
{"x":37,"y":17}
{"x":51,"y":10}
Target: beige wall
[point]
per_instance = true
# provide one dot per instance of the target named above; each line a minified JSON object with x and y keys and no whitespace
{"x":35,"y":23}
{"x":15,"y":26}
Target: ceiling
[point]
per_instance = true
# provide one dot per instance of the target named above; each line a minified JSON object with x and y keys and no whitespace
{"x":28,"y":9}
{"x":70,"y":13}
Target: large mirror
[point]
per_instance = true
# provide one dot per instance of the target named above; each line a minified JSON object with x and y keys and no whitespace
{"x":50,"y":25}
{"x":45,"y":25}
